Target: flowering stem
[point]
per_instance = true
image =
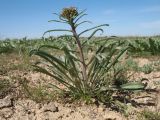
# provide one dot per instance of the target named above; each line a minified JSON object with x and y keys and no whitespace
{"x":84,"y":66}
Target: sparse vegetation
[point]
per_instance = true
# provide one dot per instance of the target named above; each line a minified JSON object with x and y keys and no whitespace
{"x":5,"y":88}
{"x":99,"y":70}
{"x":149,"y":115}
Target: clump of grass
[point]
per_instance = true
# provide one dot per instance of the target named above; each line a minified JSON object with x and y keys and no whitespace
{"x":6,"y":47}
{"x":149,"y":115}
{"x":144,"y":46}
{"x":147,"y":68}
{"x":37,"y":93}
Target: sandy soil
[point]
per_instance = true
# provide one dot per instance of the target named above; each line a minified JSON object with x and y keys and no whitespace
{"x":15,"y":106}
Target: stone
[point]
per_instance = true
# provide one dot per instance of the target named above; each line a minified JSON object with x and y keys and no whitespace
{"x":109,"y":117}
{"x":6,"y":102}
{"x":101,"y":108}
{"x":50,"y":107}
{"x":6,"y":113}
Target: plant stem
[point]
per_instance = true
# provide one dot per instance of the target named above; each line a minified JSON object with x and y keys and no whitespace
{"x":84,"y":67}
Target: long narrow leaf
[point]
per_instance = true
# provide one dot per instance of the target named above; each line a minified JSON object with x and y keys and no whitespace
{"x":60,"y":17}
{"x":49,"y":46}
{"x":42,"y":53}
{"x":92,"y":29}
{"x":94,"y":32}
{"x":117,"y":57}
{"x":79,"y":16}
{"x":57,"y":30}
{"x":56,"y":21}
{"x":82,"y":23}
{"x":56,"y":66}
{"x":42,"y":70}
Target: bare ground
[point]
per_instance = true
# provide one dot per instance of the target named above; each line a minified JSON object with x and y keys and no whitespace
{"x":14,"y":105}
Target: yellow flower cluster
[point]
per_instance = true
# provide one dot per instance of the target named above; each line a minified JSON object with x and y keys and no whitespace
{"x":69,"y":13}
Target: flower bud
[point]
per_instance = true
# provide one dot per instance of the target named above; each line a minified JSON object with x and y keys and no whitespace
{"x":69,"y":13}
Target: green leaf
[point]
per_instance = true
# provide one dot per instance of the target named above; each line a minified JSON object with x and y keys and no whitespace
{"x":60,"y":17}
{"x":71,"y":60}
{"x":49,"y":46}
{"x":82,"y":23}
{"x":117,"y":57}
{"x":92,"y":29}
{"x":64,"y":36}
{"x":56,"y":69}
{"x":133,"y":86}
{"x":56,"y":21}
{"x":45,"y":55}
{"x":42,"y":70}
{"x":79,"y":16}
{"x":57,"y":30}
{"x":94,"y":32}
